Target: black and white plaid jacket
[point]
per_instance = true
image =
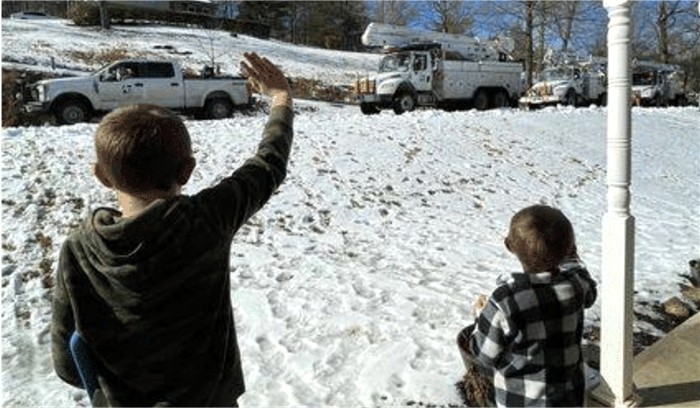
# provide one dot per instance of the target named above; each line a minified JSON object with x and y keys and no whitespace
{"x":530,"y":333}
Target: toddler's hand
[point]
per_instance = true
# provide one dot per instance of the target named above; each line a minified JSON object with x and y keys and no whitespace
{"x":479,"y":305}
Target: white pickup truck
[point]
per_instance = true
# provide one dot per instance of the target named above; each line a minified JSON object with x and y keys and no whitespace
{"x":127,"y":82}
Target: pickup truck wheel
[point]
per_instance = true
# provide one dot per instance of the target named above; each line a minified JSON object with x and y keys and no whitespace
{"x":571,"y":99}
{"x":500,"y":100}
{"x":405,"y":102}
{"x":71,"y":112}
{"x":481,"y":100}
{"x":218,"y":108}
{"x":368,"y":108}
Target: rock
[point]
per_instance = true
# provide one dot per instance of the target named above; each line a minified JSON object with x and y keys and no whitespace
{"x":675,"y":308}
{"x":691,"y":293}
{"x":695,"y":271}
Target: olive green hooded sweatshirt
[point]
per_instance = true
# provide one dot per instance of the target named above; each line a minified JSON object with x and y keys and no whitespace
{"x":151,"y":294}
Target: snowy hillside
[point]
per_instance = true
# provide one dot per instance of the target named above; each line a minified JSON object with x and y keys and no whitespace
{"x":79,"y":49}
{"x":351,"y":285}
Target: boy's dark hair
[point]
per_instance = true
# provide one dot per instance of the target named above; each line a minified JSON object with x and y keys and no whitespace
{"x":142,"y":148}
{"x":541,"y":237}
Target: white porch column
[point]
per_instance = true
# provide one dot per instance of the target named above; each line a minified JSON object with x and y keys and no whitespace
{"x":617,"y":287}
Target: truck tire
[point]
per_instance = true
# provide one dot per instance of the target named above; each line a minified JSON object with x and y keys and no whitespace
{"x":571,"y":98}
{"x":404,"y":102}
{"x":603,"y":100}
{"x":500,"y":99}
{"x":72,"y":111}
{"x":659,"y":101}
{"x":368,"y":108}
{"x":218,"y":108}
{"x":481,"y":100}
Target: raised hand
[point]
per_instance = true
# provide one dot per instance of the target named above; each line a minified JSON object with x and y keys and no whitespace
{"x":265,"y":78}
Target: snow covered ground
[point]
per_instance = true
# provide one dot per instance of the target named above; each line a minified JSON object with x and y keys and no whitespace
{"x":351,"y":285}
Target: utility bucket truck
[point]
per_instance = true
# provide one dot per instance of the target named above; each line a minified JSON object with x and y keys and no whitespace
{"x":425,"y":68}
{"x":568,"y":81}
{"x":656,"y":84}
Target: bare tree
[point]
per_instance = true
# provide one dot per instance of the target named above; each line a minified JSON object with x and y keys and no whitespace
{"x":395,"y":12}
{"x":448,"y":16}
{"x":665,"y":30}
{"x":671,"y":25}
{"x":577,"y":24}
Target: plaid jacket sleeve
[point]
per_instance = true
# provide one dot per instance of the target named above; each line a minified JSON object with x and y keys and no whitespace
{"x":491,"y":335}
{"x":588,"y":286}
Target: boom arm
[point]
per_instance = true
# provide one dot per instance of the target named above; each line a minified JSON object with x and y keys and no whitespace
{"x":469,"y":48}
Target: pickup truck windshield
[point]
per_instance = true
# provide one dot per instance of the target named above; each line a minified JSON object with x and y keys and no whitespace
{"x":395,"y":62}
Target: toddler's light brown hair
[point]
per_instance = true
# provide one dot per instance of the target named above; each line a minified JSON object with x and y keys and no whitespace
{"x":541,"y":237}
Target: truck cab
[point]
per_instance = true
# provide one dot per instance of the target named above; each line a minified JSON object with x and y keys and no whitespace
{"x":402,"y":77}
{"x":568,"y":85}
{"x":650,"y":87}
{"x":127,"y":82}
{"x":658,"y":84}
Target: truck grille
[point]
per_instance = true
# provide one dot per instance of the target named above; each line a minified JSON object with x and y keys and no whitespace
{"x":364,"y":86}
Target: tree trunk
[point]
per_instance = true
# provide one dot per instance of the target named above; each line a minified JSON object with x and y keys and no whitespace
{"x":571,"y":8}
{"x":529,"y":51}
{"x":662,"y":26}
{"x":104,"y":15}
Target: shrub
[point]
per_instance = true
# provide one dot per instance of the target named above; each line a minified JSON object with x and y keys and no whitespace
{"x":13,"y":84}
{"x":84,"y":14}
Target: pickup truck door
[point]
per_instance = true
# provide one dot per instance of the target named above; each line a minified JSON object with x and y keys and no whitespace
{"x":120,"y":86}
{"x":163,"y":86}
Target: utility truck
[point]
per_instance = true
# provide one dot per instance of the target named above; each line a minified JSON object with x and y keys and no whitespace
{"x":126,"y":82}
{"x":656,"y":84}
{"x":450,"y":71}
{"x":568,"y":80}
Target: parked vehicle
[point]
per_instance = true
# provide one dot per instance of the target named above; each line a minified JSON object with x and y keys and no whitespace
{"x":30,"y":15}
{"x":568,"y":81}
{"x":126,"y":82}
{"x":655,"y":84}
{"x":424,"y":68}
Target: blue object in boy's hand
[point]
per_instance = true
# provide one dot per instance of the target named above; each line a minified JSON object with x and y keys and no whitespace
{"x":85,"y":363}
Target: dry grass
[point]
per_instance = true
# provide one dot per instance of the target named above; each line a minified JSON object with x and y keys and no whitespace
{"x":102,"y":57}
{"x":314,"y":89}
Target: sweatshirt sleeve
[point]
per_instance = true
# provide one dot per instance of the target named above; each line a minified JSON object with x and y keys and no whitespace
{"x":63,"y":323}
{"x":235,"y":199}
